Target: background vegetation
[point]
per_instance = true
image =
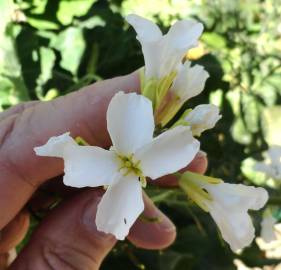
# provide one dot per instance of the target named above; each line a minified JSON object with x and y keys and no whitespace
{"x":52,"y":47}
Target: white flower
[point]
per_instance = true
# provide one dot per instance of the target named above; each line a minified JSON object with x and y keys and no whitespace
{"x":135,"y":154}
{"x":166,"y":81}
{"x":189,"y":82}
{"x":267,"y":227}
{"x":272,"y":165}
{"x":163,"y":53}
{"x":203,"y":117}
{"x":228,"y":204}
{"x":229,"y":208}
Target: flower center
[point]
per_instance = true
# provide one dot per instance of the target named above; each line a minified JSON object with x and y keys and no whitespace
{"x":128,"y":165}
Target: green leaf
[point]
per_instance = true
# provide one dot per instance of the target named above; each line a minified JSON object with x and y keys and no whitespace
{"x":42,"y":24}
{"x":214,"y":40}
{"x":172,"y":260}
{"x":272,"y":124}
{"x":69,"y":9}
{"x":47,"y":59}
{"x":71,"y":45}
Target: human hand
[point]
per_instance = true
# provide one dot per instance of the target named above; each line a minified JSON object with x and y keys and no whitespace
{"x":67,"y":238}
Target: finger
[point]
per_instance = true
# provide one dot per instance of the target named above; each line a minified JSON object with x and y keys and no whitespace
{"x":198,"y":165}
{"x":49,"y":193}
{"x":14,"y":232}
{"x":82,"y":113}
{"x":4,"y":258}
{"x":68,"y":238}
{"x":157,"y":234}
{"x":7,"y":258}
{"x":154,"y":231}
{"x":17,"y":109}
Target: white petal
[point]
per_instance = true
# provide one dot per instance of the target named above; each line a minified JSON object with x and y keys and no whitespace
{"x":267,"y":229}
{"x":55,"y":146}
{"x":182,"y":36}
{"x":150,"y":36}
{"x":89,"y":166}
{"x":229,"y":208}
{"x":120,"y":207}
{"x":237,"y":230}
{"x":190,"y":81}
{"x":263,"y":167}
{"x":203,"y":117}
{"x":83,"y":165}
{"x":272,"y":170}
{"x":147,"y":31}
{"x":274,"y":153}
{"x":168,"y":153}
{"x":163,"y":54}
{"x":130,"y":122}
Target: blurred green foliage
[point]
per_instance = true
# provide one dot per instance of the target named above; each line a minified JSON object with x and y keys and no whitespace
{"x":49,"y":48}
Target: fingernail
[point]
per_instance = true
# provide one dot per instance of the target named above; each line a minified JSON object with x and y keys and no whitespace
{"x":161,"y":220}
{"x":201,"y":154}
{"x":166,"y":224}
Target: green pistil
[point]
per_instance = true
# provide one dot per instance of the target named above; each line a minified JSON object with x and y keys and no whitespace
{"x":129,"y":165}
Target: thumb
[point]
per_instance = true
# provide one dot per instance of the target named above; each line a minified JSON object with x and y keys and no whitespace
{"x":68,"y":238}
{"x":83,"y":113}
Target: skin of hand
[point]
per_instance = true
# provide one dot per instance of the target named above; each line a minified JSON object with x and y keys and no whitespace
{"x":67,"y":238}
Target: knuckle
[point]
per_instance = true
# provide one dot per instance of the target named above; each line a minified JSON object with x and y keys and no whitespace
{"x":60,"y":256}
{"x":17,"y":109}
{"x":6,"y":129}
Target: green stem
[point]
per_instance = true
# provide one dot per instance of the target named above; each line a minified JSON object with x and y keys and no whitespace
{"x":274,"y":201}
{"x":177,"y":174}
{"x":81,"y":141}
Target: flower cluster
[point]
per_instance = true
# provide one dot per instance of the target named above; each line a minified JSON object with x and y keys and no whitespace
{"x":136,"y":154}
{"x":271,"y":167}
{"x":168,"y":82}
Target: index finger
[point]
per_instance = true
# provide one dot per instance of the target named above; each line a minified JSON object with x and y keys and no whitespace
{"x":82,"y":113}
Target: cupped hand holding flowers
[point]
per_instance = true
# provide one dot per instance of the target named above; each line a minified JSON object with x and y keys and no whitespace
{"x":123,"y":168}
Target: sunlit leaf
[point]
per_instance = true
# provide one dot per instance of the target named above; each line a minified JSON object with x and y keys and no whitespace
{"x":71,"y":45}
{"x":69,"y":9}
{"x":272,"y":124}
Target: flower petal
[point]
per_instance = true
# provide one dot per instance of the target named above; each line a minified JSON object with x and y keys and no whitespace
{"x":163,"y":54}
{"x":120,"y":206}
{"x":150,"y":36}
{"x":190,"y":81}
{"x":83,"y":165}
{"x":168,"y":153}
{"x":147,"y":31}
{"x":229,"y":208}
{"x":89,"y":166}
{"x":55,"y":146}
{"x":274,"y":153}
{"x":203,"y":117}
{"x":182,"y":36}
{"x":264,"y":168}
{"x":267,"y":228}
{"x":237,"y":229}
{"x":272,"y":170}
{"x":130,"y":122}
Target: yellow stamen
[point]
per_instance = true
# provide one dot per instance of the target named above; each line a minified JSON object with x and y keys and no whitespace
{"x":129,"y":165}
